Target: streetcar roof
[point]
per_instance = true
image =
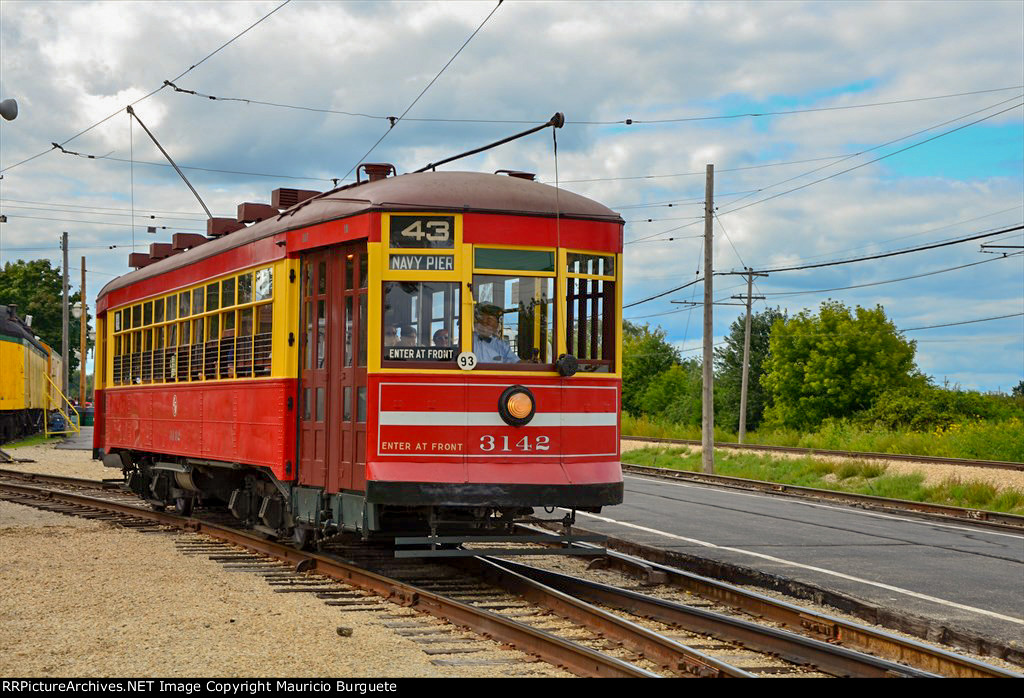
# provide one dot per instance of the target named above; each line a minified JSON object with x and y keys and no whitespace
{"x":456,"y":192}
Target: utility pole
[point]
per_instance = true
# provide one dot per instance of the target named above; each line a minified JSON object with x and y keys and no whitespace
{"x":64,"y":340}
{"x":84,"y":323}
{"x":708,"y":397}
{"x":746,"y":354}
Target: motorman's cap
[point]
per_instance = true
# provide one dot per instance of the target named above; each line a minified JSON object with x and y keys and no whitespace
{"x":488,"y":309}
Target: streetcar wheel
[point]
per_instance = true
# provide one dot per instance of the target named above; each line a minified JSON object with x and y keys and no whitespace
{"x":301,"y":537}
{"x":183,"y":505}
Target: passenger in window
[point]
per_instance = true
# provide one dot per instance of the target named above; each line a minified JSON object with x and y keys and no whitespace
{"x":488,"y":345}
{"x":390,"y":336}
{"x":408,"y":338}
{"x":442,"y":338}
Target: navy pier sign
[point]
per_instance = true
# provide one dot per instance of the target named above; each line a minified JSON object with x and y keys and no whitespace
{"x":422,"y":262}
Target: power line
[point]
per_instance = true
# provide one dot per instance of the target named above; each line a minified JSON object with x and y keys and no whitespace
{"x":148,"y":95}
{"x":200,"y":169}
{"x":920,"y":248}
{"x":394,"y":121}
{"x":892,"y":281}
{"x":101,"y":208}
{"x":120,"y":225}
{"x":626,"y":121}
{"x":692,"y":174}
{"x":630,"y":122}
{"x":965,"y":322}
{"x":99,"y":213}
{"x":923,"y":232}
{"x":869,"y":162}
{"x":896,"y":140}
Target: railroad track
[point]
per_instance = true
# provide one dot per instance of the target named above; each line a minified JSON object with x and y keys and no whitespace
{"x":980,"y":517}
{"x":564,"y":621}
{"x":860,"y":455}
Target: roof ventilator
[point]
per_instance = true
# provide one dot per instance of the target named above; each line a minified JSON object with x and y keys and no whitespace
{"x":375,"y":171}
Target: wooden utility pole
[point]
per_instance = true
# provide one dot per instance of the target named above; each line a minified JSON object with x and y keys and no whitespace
{"x":708,"y":397}
{"x":64,"y":336}
{"x":746,"y":355}
{"x":82,"y":343}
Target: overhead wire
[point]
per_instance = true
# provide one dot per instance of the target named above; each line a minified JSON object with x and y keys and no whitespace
{"x":395,"y":120}
{"x":891,"y":281}
{"x":120,"y":110}
{"x":626,"y":121}
{"x":836,"y":174}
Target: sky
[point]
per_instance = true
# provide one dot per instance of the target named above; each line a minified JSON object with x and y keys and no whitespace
{"x":836,"y":130}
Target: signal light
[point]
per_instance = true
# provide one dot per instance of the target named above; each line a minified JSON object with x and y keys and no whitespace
{"x":517,"y":406}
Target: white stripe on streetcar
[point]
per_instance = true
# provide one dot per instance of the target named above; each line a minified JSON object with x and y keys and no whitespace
{"x":493,"y":419}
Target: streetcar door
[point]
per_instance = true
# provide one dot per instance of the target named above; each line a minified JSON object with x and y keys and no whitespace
{"x":347,"y":438}
{"x":317,"y":276}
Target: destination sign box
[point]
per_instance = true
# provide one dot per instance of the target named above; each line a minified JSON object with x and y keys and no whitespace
{"x":419,"y":353}
{"x":422,"y":232}
{"x":422,"y":262}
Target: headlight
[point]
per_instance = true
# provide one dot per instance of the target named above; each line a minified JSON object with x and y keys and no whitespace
{"x":517,"y":406}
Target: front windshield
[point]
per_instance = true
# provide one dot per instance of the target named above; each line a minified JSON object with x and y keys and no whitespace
{"x":513,"y":319}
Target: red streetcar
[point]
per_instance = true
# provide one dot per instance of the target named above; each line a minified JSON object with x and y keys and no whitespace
{"x":408,"y":353}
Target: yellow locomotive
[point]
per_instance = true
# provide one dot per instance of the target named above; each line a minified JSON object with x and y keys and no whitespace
{"x":25,"y":364}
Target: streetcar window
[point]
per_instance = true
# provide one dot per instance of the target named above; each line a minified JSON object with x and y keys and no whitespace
{"x":521,"y":260}
{"x":183,"y":305}
{"x":590,"y":322}
{"x":197,"y":300}
{"x":137,"y":316}
{"x":264,"y":284}
{"x":513,"y":319}
{"x":147,"y":314}
{"x":211,"y":297}
{"x":158,"y":310}
{"x":117,"y":321}
{"x":263,"y":341}
{"x":227,"y":293}
{"x":243,"y":363}
{"x":245,"y":288}
{"x":172,"y":308}
{"x":421,"y":321}
{"x":593,"y":264}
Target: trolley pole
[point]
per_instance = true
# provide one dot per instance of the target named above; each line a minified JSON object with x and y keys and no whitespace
{"x":64,"y":336}
{"x":746,"y":355}
{"x":82,"y":340}
{"x":708,"y":397}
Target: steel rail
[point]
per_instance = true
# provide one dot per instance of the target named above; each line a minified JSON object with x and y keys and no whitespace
{"x":62,"y":479}
{"x":569,"y":655}
{"x":980,"y":517}
{"x":863,"y":455}
{"x":653,"y":646}
{"x":799,"y":649}
{"x":819,"y":625}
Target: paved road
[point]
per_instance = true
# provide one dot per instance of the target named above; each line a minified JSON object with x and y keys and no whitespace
{"x":961,"y":576}
{"x":78,"y":442}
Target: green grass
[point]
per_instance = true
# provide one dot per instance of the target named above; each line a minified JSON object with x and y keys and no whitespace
{"x":986,"y":440}
{"x":857,"y":477}
{"x":34,"y":440}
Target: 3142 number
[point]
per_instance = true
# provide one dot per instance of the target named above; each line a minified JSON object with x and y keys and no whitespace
{"x":504,"y":444}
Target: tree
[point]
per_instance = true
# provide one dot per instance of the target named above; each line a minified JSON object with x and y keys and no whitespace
{"x":729,"y":370}
{"x":35,"y":288}
{"x":676,"y":395}
{"x":645,"y":355}
{"x":833,"y":363}
{"x":1018,"y":390}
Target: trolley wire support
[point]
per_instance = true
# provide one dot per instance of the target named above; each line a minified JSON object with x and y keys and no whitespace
{"x":556,"y":121}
